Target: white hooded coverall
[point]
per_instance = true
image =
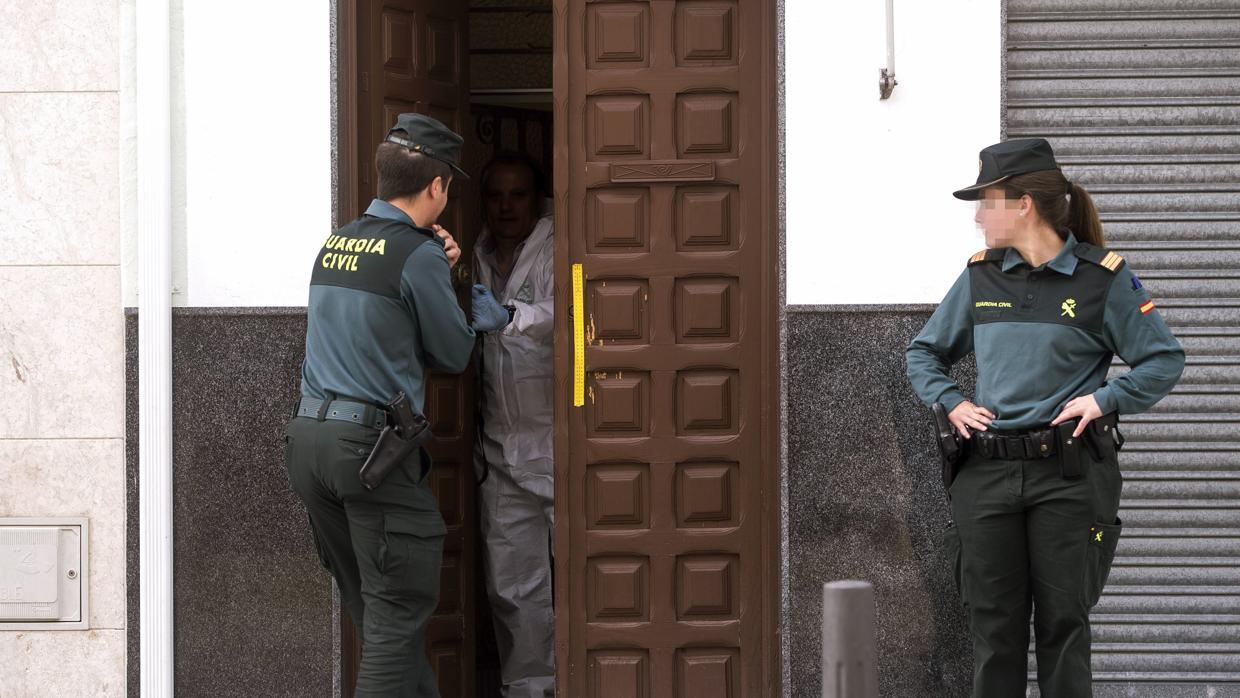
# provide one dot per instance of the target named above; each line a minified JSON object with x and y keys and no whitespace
{"x":516,"y":499}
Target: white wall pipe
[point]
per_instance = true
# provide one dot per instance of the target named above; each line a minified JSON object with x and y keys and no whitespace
{"x":887,"y":78}
{"x":891,"y":37}
{"x":154,"y":125}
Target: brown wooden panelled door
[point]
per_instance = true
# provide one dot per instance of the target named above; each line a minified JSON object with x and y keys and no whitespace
{"x":411,"y":56}
{"x":667,"y":478}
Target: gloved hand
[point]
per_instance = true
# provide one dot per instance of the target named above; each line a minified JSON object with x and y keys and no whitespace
{"x":489,"y":315}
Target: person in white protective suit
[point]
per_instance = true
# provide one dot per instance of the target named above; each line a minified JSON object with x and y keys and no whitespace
{"x":513,"y":269}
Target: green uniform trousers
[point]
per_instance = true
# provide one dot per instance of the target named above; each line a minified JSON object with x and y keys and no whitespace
{"x":383,"y":547}
{"x":1026,"y":540}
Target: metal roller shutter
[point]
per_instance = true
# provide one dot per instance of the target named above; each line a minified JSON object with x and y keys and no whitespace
{"x":1141,"y":99}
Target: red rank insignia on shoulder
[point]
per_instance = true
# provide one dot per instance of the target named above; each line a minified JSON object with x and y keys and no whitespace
{"x":1147,"y":307}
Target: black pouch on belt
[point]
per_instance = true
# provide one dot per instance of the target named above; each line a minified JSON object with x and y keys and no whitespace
{"x":1103,"y":437}
{"x":396,"y":442}
{"x":1071,"y":455}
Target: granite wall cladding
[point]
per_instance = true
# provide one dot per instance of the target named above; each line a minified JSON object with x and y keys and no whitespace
{"x":865,"y":501}
{"x":253,"y":607}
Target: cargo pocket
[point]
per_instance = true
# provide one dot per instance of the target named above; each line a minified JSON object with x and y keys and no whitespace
{"x":1102,"y":541}
{"x":951,"y":546}
{"x":410,"y":551}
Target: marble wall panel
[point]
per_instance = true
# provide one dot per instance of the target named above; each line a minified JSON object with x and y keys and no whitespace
{"x":58,"y":45}
{"x":61,"y":353}
{"x":59,"y":178}
{"x":70,"y":663}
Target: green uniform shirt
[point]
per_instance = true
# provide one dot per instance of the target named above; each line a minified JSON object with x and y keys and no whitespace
{"x":1045,"y":336}
{"x":382,"y":311}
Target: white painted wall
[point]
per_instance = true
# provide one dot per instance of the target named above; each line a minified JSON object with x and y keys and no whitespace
{"x":870,"y":215}
{"x":251,"y":151}
{"x":258,"y":149}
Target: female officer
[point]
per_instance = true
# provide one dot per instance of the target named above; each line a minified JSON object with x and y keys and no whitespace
{"x":1044,"y":308}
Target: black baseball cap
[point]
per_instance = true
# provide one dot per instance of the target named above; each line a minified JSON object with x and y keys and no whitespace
{"x":429,"y":137}
{"x":1005,"y":160}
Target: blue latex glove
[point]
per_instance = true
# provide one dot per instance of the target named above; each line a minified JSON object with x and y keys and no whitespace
{"x":489,"y":315}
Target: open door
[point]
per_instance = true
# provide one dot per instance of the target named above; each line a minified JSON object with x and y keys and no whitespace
{"x":667,"y":477}
{"x":399,"y":56}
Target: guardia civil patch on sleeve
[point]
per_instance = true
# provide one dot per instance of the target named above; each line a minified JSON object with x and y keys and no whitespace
{"x":1147,"y":307}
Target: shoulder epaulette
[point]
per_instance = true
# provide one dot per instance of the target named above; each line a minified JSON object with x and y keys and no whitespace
{"x":988,"y":255}
{"x":1099,"y":255}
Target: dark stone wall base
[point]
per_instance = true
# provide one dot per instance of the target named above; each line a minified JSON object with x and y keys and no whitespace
{"x":865,"y":501}
{"x":253,"y":608}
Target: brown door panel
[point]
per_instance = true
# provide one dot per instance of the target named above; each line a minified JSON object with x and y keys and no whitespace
{"x":667,"y":478}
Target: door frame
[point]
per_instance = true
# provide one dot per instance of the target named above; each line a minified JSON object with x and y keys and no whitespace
{"x":345,"y":162}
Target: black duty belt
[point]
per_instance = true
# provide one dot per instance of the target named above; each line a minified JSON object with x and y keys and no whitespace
{"x":1030,"y":444}
{"x":342,"y":410}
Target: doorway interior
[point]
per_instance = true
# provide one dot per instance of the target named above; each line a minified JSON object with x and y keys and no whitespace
{"x":484,"y":68}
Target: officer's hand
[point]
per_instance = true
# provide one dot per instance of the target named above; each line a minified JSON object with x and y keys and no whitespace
{"x":489,"y":315}
{"x":968,"y":416}
{"x":1085,"y":407}
{"x":450,"y":247}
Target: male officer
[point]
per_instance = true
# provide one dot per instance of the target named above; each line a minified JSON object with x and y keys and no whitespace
{"x":513,"y":262}
{"x":382,"y":311}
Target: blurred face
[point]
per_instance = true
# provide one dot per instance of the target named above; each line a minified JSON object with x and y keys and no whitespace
{"x":510,"y":202}
{"x":1001,"y":220}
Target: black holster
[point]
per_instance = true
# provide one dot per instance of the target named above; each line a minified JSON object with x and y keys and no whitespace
{"x":405,"y":432}
{"x":951,"y":446}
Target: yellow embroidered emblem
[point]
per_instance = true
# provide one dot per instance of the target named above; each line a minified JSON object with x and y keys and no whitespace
{"x":1068,"y":307}
{"x":1098,"y":536}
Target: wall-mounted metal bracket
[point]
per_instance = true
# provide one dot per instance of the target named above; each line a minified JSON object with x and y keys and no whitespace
{"x":886,"y":84}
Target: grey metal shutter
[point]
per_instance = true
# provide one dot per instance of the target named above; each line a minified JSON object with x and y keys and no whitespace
{"x":1141,"y":99}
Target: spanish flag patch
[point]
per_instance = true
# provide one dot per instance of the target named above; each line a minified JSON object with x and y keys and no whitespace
{"x":1147,"y":307}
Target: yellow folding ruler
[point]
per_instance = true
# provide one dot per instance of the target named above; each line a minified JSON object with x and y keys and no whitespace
{"x":579,"y":340}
